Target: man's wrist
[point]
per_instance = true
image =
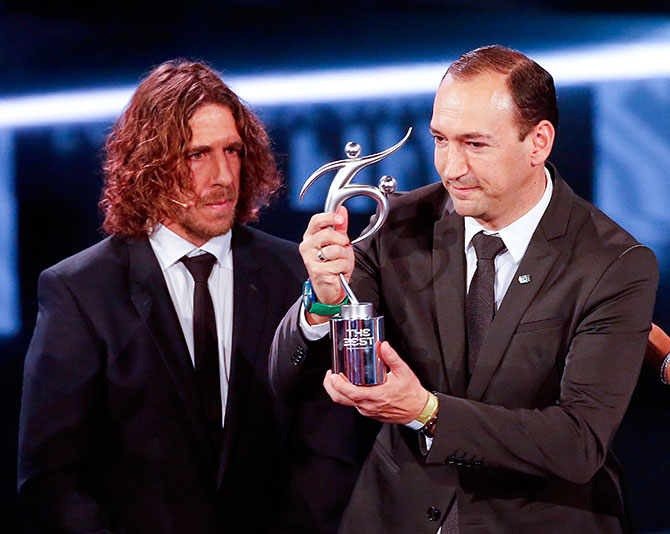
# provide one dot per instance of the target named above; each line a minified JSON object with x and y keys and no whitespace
{"x":312,"y":331}
{"x":314,"y":307}
{"x":315,"y":320}
{"x":429,"y":428}
{"x":665,"y":369}
{"x":427,"y":414}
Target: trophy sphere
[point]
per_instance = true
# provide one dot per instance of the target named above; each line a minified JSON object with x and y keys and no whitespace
{"x":352,"y":150}
{"x":388,"y":184}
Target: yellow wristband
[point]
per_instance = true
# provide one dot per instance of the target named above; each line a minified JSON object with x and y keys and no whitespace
{"x":428,"y":410}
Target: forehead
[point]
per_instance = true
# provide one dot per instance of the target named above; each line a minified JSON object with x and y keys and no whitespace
{"x":211,"y":123}
{"x":481,"y":102}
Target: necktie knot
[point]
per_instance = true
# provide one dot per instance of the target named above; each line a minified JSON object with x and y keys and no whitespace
{"x":487,"y":247}
{"x":200,"y":266}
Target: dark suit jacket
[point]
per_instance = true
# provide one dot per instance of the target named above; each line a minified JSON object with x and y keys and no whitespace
{"x":524,"y":445}
{"x":112,"y":434}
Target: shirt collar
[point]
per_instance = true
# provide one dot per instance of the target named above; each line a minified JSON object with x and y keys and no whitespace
{"x":171,"y":247}
{"x":518,"y":234}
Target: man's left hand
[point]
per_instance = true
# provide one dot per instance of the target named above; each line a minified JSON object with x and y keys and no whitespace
{"x":398,"y":400}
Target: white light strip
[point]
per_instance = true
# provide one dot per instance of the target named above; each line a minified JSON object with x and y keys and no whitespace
{"x":340,"y":85}
{"x":72,"y":106}
{"x":635,"y":61}
{"x":576,"y":66}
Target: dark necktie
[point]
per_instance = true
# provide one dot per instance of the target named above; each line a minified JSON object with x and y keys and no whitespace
{"x":480,"y":302}
{"x":205,"y":342}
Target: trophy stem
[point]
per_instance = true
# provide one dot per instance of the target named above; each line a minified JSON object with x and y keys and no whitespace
{"x":348,"y":290}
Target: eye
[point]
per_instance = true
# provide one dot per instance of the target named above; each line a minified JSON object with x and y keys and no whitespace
{"x":236,"y":151}
{"x":439,"y":139}
{"x":476,"y":144}
{"x":195,"y":156}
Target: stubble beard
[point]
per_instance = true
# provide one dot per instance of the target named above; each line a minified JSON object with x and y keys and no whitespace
{"x":204,"y":226}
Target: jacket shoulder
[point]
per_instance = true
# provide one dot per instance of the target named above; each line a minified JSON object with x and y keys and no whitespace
{"x":258,"y":238}
{"x":596,"y":230}
{"x":432,"y":194}
{"x":271,"y":251}
{"x":98,"y":258}
{"x":586,"y":236}
{"x":420,"y":207}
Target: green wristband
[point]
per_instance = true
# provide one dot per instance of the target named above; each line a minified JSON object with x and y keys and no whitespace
{"x":318,"y":308}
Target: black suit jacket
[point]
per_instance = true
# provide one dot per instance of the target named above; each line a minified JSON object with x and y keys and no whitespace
{"x":112,"y":433}
{"x":524,"y":445}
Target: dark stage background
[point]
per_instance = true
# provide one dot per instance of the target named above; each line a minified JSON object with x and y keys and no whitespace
{"x":612,"y":145}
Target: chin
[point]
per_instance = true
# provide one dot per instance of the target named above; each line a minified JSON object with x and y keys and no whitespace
{"x":208,"y":231}
{"x":464,"y":208}
{"x":219,"y":229}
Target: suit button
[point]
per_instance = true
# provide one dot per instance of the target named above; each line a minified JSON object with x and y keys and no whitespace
{"x":298,"y":356}
{"x":460,"y":461}
{"x":433,"y":513}
{"x":477,"y":463}
{"x":451,"y":459}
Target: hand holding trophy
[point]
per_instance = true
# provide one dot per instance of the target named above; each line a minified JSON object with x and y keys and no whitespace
{"x":356,"y":332}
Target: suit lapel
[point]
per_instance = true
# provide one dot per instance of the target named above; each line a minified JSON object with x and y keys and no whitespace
{"x":149,"y":294}
{"x":537,"y":263}
{"x":449,"y":266}
{"x":251,"y":300}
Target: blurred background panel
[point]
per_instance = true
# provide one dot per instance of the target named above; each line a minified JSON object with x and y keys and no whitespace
{"x":319,"y":77}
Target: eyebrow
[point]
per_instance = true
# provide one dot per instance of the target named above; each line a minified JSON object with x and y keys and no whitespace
{"x":198,"y":148}
{"x":239,"y":145}
{"x":475,"y":135}
{"x":467,"y":135}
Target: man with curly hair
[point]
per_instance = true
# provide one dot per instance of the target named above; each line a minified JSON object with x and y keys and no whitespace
{"x":147,"y":408}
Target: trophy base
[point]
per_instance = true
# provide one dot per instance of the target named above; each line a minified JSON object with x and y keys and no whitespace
{"x":354,"y":338}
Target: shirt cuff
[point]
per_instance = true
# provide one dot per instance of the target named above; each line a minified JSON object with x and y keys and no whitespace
{"x":311,"y":332}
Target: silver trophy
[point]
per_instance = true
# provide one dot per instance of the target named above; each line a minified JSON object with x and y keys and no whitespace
{"x":355,"y":334}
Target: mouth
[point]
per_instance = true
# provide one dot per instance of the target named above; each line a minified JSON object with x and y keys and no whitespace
{"x":219,"y":205}
{"x":461,"y":190}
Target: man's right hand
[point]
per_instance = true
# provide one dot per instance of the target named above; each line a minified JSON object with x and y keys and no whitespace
{"x":327,"y":232}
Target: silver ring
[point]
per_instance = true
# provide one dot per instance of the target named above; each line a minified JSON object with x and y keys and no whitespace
{"x":319,"y":254}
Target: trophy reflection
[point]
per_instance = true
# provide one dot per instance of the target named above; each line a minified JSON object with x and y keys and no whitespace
{"x":356,"y":333}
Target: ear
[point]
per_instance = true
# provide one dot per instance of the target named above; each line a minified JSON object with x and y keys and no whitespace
{"x":542,"y":137}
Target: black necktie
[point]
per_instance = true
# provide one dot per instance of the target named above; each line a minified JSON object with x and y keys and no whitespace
{"x":480,"y":302}
{"x":205,"y":341}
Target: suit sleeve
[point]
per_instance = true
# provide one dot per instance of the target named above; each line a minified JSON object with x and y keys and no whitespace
{"x":328,"y":442}
{"x":290,"y":351}
{"x":59,"y":423}
{"x":570,"y":439}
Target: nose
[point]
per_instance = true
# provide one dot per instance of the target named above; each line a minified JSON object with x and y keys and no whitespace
{"x":451,"y":162}
{"x":226,"y":169}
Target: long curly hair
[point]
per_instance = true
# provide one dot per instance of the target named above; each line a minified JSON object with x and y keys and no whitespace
{"x":145,"y":151}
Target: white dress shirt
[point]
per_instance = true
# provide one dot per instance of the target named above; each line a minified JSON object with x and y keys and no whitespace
{"x":516,"y":237}
{"x":169,"y":249}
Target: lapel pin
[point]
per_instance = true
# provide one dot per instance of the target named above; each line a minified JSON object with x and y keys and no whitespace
{"x":524,"y":279}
